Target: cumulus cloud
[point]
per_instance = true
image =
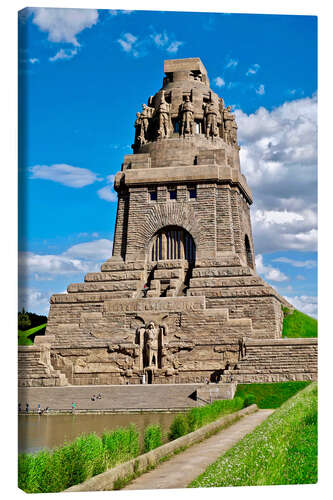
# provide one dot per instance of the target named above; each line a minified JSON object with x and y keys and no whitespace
{"x":64,"y":54}
{"x":63,"y":25}
{"x":64,"y":174}
{"x":33,"y":300}
{"x":268,"y":272}
{"x":308,"y":264}
{"x":305,"y":303}
{"x":33,"y":60}
{"x":219,"y":82}
{"x":253,"y":69}
{"x":279,"y":159}
{"x":107,"y":192}
{"x":80,"y":258}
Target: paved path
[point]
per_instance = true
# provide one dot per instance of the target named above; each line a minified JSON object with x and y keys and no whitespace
{"x":180,"y":470}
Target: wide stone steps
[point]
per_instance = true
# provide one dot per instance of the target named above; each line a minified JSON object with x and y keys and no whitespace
{"x":126,"y":397}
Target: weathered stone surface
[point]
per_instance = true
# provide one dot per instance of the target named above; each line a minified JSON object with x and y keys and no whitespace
{"x":179,"y":301}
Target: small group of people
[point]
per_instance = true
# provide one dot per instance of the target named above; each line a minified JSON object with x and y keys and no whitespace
{"x":98,"y":396}
{"x":40,"y":410}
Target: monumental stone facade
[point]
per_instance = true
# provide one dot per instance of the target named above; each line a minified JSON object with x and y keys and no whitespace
{"x":179,"y":301}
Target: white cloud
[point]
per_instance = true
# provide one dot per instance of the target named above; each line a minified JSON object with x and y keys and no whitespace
{"x":253,"y":69}
{"x":219,"y":82}
{"x":308,"y":264}
{"x":232,"y":63}
{"x":64,"y":174}
{"x":269,"y":272}
{"x":127,"y":42}
{"x":165,"y":41}
{"x":33,"y":300}
{"x":305,"y":303}
{"x":174,"y":46}
{"x":107,"y":193}
{"x":64,"y":54}
{"x":279,"y":159}
{"x":33,"y":60}
{"x":80,"y":258}
{"x":63,"y":25}
{"x":98,"y":250}
{"x":260,"y":90}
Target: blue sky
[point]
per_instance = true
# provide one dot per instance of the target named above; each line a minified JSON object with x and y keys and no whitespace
{"x":83,"y":76}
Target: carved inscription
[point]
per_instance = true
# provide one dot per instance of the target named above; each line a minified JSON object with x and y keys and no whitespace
{"x":175,"y":304}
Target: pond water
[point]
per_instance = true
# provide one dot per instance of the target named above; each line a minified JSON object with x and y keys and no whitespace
{"x":49,"y":431}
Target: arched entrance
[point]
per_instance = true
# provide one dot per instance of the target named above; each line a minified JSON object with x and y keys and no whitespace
{"x":171,"y":243}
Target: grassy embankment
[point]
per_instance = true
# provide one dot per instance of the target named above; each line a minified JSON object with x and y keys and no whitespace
{"x":282,"y":450}
{"x":56,"y":470}
{"x":270,"y":395}
{"x":23,"y":336}
{"x":298,"y":325}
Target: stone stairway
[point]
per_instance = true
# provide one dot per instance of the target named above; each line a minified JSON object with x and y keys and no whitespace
{"x":116,"y":397}
{"x":276,"y":361}
{"x":34,"y":368}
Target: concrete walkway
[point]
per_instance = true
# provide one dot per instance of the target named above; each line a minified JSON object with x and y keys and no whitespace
{"x":179,"y":471}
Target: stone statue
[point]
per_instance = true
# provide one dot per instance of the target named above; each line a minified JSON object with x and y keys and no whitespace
{"x":228,"y":119}
{"x":163,"y":113}
{"x":145,"y":116}
{"x":151,"y":345}
{"x":139,"y":132}
{"x":233,"y":132}
{"x":187,"y":120}
{"x":211,"y":114}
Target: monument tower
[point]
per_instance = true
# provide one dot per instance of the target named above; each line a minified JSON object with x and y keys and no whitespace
{"x":179,"y":301}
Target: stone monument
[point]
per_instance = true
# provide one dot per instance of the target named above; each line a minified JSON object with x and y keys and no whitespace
{"x":179,"y":301}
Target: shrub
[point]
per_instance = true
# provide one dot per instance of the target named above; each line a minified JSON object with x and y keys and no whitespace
{"x":179,"y":427}
{"x":152,"y":438}
{"x":121,"y":445}
{"x":249,"y":400}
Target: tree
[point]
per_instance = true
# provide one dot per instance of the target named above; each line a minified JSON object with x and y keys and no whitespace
{"x":24,"y":322}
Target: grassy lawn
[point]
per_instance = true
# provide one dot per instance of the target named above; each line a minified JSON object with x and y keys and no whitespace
{"x":297,"y":324}
{"x":23,"y":336}
{"x":270,"y":395}
{"x":282,"y":450}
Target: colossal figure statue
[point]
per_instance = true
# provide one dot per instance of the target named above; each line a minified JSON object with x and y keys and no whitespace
{"x":211,"y":115}
{"x":151,"y":345}
{"x":139,"y":132}
{"x":163,"y":113}
{"x":146,"y":115}
{"x":186,"y":110}
{"x":228,"y":119}
{"x":233,"y":132}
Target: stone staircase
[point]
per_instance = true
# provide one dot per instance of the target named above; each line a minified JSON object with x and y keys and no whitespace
{"x":35,"y":369}
{"x":276,"y":361}
{"x":115,"y":397}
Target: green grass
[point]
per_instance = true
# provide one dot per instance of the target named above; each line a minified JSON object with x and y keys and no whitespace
{"x":282,"y":450}
{"x":50,"y":471}
{"x":23,"y":336}
{"x":197,"y":417}
{"x":298,"y":325}
{"x":270,"y":395}
{"x":152,"y":437}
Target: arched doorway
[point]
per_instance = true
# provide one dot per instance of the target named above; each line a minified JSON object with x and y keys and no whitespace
{"x":172,"y":242}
